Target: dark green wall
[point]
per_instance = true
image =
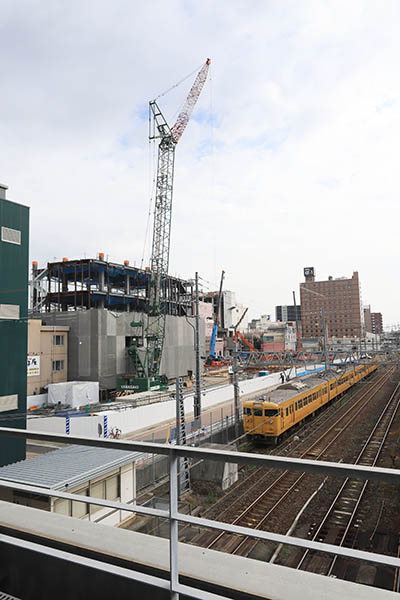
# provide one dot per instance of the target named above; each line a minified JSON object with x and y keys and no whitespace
{"x":13,"y":334}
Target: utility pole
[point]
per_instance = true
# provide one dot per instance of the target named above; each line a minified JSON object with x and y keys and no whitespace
{"x":327,"y":365}
{"x":197,"y":393}
{"x":236,"y":390}
{"x":297,"y":326}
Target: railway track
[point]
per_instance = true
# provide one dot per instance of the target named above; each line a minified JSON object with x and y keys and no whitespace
{"x":264,"y":496}
{"x":341,"y":523}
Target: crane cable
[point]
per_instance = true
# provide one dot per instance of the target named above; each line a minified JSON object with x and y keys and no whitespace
{"x":152,"y":167}
{"x":151,"y":187}
{"x":177,"y":84}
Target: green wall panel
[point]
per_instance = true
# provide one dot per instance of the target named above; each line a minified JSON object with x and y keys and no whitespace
{"x":13,"y":334}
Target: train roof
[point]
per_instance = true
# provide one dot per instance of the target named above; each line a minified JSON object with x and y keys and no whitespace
{"x":297,"y":387}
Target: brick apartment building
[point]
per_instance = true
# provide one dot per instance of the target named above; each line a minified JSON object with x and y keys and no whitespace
{"x":336,"y":300}
{"x":373,"y":321}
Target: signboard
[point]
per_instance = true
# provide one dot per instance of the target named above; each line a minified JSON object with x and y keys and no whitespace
{"x":33,"y":366}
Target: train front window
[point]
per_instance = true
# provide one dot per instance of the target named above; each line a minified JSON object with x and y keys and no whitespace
{"x":271,"y":412}
{"x":247,"y":411}
{"x":258,"y":412}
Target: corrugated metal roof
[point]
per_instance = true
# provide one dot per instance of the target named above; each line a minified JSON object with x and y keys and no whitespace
{"x":66,"y":467}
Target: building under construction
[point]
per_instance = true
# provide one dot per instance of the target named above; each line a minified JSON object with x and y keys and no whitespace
{"x":95,"y":283}
{"x":99,"y":301}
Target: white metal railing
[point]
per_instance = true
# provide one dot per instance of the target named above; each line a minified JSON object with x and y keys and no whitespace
{"x":175,"y":452}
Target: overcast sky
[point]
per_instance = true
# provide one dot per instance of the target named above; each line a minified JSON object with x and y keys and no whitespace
{"x":291,"y":158}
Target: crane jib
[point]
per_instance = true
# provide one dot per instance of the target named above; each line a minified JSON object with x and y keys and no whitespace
{"x":146,"y":360}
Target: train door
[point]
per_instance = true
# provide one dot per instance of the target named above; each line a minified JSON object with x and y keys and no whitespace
{"x":258,"y":418}
{"x":292,"y":414}
{"x":248,"y":419}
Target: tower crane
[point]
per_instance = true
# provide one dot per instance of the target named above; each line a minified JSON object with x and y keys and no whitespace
{"x":147,"y":358}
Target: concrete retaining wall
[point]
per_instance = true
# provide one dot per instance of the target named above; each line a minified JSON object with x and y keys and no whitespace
{"x":129,"y":419}
{"x":38,"y":400}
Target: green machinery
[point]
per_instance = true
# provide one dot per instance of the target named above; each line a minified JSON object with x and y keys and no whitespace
{"x":146,"y":350}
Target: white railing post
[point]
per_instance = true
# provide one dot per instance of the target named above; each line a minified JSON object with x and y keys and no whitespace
{"x":173,"y":525}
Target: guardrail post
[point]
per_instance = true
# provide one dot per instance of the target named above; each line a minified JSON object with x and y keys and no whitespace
{"x":153,"y":462}
{"x":173,"y":525}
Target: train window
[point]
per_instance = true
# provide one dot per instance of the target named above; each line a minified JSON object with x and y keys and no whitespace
{"x":271,"y":412}
{"x":314,"y":396}
{"x":332,"y":386}
{"x":247,"y":411}
{"x":325,"y":389}
{"x":258,"y":412}
{"x":281,"y":412}
{"x":295,"y":405}
{"x":300,"y":403}
{"x":287,"y":411}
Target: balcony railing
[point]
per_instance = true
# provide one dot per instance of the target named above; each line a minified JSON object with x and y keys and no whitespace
{"x":175,"y":517}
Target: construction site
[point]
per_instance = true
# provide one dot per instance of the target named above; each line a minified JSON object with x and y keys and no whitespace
{"x":201,"y":433}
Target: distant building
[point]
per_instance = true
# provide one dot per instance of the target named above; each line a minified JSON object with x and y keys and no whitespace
{"x":14,"y":252}
{"x":207,"y":315}
{"x":373,"y":321}
{"x":376,"y":322}
{"x":275,"y":336}
{"x":288,"y":313}
{"x":367,"y":318}
{"x":370,"y":342}
{"x":230,"y":310}
{"x":261,"y":323}
{"x":47,"y":355}
{"x":337,"y":301}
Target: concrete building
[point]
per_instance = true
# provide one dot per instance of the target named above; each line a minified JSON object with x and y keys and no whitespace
{"x":47,"y":355}
{"x":102,"y":473}
{"x":230,"y":310}
{"x":337,"y":301}
{"x":373,"y":321}
{"x":207,"y":316}
{"x":279,"y":337}
{"x":288,"y":313}
{"x":273,"y":336}
{"x":99,"y":338}
{"x":260,"y":323}
{"x":14,"y":251}
{"x":367,"y":318}
{"x":370,"y":342}
{"x":377,"y":322}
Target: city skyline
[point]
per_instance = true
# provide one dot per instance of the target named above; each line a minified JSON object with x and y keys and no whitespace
{"x":286,"y":159}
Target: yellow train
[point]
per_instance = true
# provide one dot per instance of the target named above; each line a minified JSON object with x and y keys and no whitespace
{"x":269,"y":418}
